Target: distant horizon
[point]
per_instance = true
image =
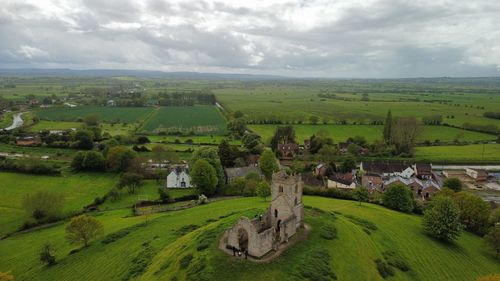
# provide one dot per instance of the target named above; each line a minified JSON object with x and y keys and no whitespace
{"x":48,"y":69}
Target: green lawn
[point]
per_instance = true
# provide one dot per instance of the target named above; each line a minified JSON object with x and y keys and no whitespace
{"x":200,"y":120}
{"x":158,"y":244}
{"x":54,"y":125}
{"x":465,"y":153}
{"x":79,"y":190}
{"x":372,"y":132}
{"x":105,"y":114}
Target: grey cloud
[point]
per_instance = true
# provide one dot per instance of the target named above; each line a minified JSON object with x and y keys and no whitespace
{"x":375,"y":39}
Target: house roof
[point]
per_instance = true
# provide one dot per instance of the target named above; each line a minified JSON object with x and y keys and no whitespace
{"x":421,"y":183}
{"x":382,"y":168}
{"x":423,"y":168}
{"x":232,"y":173}
{"x":341,"y":180}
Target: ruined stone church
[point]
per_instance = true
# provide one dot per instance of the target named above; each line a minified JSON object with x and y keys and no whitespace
{"x":281,"y":221}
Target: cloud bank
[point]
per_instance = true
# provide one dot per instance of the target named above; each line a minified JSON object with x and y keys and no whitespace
{"x":317,"y":38}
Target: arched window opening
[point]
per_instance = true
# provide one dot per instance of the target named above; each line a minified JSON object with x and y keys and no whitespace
{"x":281,"y":189}
{"x":296,"y":188}
{"x":295,"y":201}
{"x":275,"y":213}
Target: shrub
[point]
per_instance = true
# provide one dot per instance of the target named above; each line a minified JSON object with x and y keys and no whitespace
{"x":185,"y":261}
{"x":396,"y":260}
{"x":453,"y":184}
{"x":384,"y":269}
{"x":47,"y":254}
{"x":328,"y":232}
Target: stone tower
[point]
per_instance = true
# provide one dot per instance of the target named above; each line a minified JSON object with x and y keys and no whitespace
{"x":286,"y":193}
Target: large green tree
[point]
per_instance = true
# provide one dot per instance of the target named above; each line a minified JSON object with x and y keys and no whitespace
{"x":474,"y":211}
{"x":210,"y":154}
{"x":361,"y":194}
{"x":268,"y":163}
{"x":493,"y":238}
{"x":398,"y":197}
{"x":204,"y":177}
{"x":131,"y":181}
{"x":404,"y":134}
{"x":43,"y":204}
{"x":282,"y":135}
{"x":388,"y":127}
{"x":263,"y":190}
{"x":83,"y":229}
{"x":119,"y":158}
{"x":441,"y":219}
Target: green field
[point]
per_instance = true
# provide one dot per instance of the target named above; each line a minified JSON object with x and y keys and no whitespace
{"x":340,"y":133}
{"x":6,"y":120}
{"x":160,"y":246}
{"x":464,"y":153}
{"x":189,"y":120}
{"x":79,"y":190}
{"x":105,"y":114}
{"x":294,"y":102}
{"x":54,"y":125}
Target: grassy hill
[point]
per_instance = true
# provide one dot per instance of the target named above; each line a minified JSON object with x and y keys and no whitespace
{"x":153,"y":251}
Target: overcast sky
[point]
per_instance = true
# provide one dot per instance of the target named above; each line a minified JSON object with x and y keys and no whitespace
{"x":344,"y":38}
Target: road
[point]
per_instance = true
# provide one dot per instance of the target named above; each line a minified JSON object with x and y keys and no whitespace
{"x":16,"y":122}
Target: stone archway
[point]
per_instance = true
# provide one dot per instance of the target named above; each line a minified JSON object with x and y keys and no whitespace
{"x":242,"y":239}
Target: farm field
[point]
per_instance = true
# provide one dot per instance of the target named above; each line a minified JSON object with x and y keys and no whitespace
{"x":199,"y":120}
{"x":105,"y":114}
{"x":298,"y":103}
{"x":79,"y":190}
{"x":54,"y":125}
{"x":371,"y":133}
{"x":463,"y":153}
{"x":161,"y":245}
{"x":195,"y":139}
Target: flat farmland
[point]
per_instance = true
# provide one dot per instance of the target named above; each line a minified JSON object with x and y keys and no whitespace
{"x":188,"y":120}
{"x":487,"y":153}
{"x":299,"y":103}
{"x":105,"y":114}
{"x":54,"y":125}
{"x":372,"y":132}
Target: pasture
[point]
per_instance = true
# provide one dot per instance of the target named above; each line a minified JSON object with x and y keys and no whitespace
{"x":186,"y":120}
{"x":169,"y":237}
{"x":105,"y":114}
{"x":340,"y":133}
{"x":78,"y":190}
{"x":290,"y":102}
{"x":478,"y":153}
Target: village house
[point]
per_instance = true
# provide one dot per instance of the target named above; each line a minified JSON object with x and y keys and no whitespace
{"x":28,"y":141}
{"x":288,"y":151}
{"x":277,"y":225}
{"x":342,"y":181}
{"x":179,"y":177}
{"x":422,"y":189}
{"x":423,"y":170}
{"x":477,"y":174}
{"x":371,"y":181}
{"x":387,"y":170}
{"x":111,"y":103}
{"x":320,"y":170}
{"x":252,"y":160}
{"x":240,"y":172}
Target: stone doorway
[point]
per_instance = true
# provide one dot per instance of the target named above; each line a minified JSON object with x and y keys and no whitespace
{"x":243,"y":239}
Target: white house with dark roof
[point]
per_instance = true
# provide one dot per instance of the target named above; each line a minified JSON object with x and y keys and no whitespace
{"x":178,"y":178}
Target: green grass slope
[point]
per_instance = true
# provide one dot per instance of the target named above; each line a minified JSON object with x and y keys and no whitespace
{"x":78,"y":190}
{"x":154,"y":251}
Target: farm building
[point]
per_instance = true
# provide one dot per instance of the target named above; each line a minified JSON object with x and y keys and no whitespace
{"x":28,"y":141}
{"x":345,"y":181}
{"x":387,"y":169}
{"x":179,"y":178}
{"x":477,"y":174}
{"x":240,"y":172}
{"x":423,"y":170}
{"x":283,"y":218}
{"x":320,"y":170}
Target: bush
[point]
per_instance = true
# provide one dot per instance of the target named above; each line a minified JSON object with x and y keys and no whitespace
{"x":384,"y":269}
{"x":398,"y":197}
{"x":453,"y":184}
{"x":396,"y":260}
{"x":328,"y":232}
{"x":441,"y":219}
{"x":185,"y":261}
